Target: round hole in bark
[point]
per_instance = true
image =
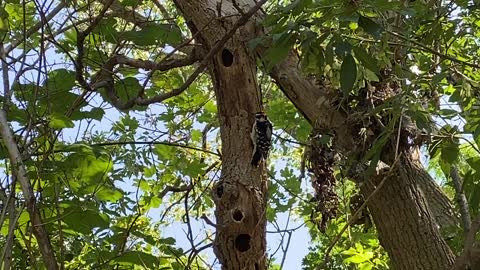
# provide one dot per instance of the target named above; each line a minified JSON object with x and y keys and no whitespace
{"x":242,"y":242}
{"x":227,"y":58}
{"x":237,"y":215}
{"x":219,"y":191}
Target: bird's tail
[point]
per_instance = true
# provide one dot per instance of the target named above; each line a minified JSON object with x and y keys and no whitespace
{"x":256,"y":158}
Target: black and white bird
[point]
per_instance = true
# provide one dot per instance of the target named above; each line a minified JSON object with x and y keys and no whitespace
{"x":261,"y":138}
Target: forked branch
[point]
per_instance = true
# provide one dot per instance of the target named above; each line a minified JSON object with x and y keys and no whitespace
{"x":20,"y":172}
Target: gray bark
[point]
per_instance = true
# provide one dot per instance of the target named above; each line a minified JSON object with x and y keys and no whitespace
{"x":240,"y":195}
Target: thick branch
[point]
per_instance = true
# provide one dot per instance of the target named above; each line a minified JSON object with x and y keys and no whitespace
{"x":139,"y":100}
{"x":105,"y":76}
{"x":20,"y":172}
{"x":312,"y":100}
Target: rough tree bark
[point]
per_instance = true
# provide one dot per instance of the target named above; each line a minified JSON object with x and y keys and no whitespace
{"x":410,"y":207}
{"x":311,"y":101}
{"x":240,"y":194}
{"x":405,"y":225}
{"x":412,"y":198}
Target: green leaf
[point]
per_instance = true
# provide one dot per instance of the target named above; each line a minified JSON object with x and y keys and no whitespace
{"x":329,"y":53}
{"x":254,"y":42}
{"x":342,"y":47}
{"x":87,"y":169}
{"x":127,"y":88}
{"x":348,"y":74}
{"x":108,"y":194}
{"x":450,"y":152}
{"x":154,"y":34}
{"x":129,"y":258}
{"x":368,"y":61}
{"x":164,"y":152}
{"x":448,"y":113}
{"x":271,"y":214}
{"x":59,"y":121}
{"x":370,"y":27}
{"x":84,"y":220}
{"x":279,"y":49}
{"x":365,"y":266}
{"x":371,"y":76}
{"x":60,"y":80}
{"x":96,"y":113}
{"x":356,"y":259}
{"x":168,"y":241}
{"x":194,"y":168}
{"x":106,"y":28}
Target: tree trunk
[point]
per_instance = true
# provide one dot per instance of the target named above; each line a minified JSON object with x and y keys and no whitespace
{"x":241,"y":192}
{"x":409,"y":209}
{"x":312,"y":102}
{"x":240,"y":195}
{"x":406,"y":228}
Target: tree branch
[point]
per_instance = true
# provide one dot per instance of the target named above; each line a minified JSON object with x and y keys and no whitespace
{"x":20,"y":172}
{"x":461,"y":199}
{"x":434,"y":52}
{"x":138,"y":100}
{"x":162,"y":143}
{"x":359,"y":210}
{"x":168,"y":189}
{"x":34,"y":29}
{"x":81,"y":35}
{"x":471,"y":248}
{"x":312,"y":101}
{"x":104,"y":78}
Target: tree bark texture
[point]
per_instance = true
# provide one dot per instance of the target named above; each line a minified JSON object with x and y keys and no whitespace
{"x":412,"y":200}
{"x":240,"y":195}
{"x":415,"y":190}
{"x":406,"y":227}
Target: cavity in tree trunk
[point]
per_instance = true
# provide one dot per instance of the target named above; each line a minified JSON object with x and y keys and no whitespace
{"x":240,"y":195}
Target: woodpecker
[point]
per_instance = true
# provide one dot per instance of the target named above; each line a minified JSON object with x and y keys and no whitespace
{"x":261,"y":136}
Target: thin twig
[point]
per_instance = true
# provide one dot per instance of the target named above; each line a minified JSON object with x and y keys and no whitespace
{"x":285,"y":249}
{"x":7,"y":95}
{"x":114,"y":143}
{"x":208,"y":221}
{"x":289,"y":140}
{"x":432,"y":51}
{"x":34,"y":29}
{"x":168,"y":189}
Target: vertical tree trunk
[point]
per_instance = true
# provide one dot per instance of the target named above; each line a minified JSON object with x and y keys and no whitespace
{"x":402,"y":213}
{"x":240,"y":195}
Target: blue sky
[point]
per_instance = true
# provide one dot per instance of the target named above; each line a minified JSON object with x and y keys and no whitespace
{"x":299,"y":240}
